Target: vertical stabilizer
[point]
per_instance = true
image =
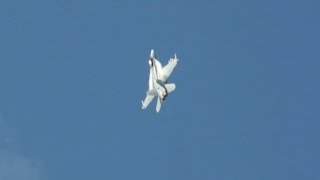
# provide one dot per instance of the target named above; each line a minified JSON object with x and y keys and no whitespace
{"x":158,"y":105}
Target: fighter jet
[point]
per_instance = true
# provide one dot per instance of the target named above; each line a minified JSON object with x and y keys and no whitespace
{"x":158,"y":77}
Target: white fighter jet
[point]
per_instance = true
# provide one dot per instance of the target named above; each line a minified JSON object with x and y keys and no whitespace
{"x":158,"y":76}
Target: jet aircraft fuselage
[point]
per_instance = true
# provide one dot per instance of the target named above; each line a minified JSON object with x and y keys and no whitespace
{"x":158,"y":76}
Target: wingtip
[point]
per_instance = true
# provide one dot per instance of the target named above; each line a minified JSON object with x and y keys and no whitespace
{"x":152,"y":53}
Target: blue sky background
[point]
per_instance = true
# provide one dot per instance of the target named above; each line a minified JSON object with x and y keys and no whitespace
{"x":73,"y":73}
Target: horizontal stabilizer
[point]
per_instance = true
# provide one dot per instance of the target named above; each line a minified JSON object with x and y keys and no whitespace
{"x":170,"y":87}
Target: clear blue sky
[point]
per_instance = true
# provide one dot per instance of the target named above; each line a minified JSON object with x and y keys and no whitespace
{"x":73,"y":73}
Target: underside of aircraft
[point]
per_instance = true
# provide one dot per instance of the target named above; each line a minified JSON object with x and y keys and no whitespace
{"x":158,"y":77}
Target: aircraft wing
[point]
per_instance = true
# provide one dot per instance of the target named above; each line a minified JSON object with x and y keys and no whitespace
{"x":151,"y":93}
{"x":147,"y":101}
{"x":167,"y":70}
